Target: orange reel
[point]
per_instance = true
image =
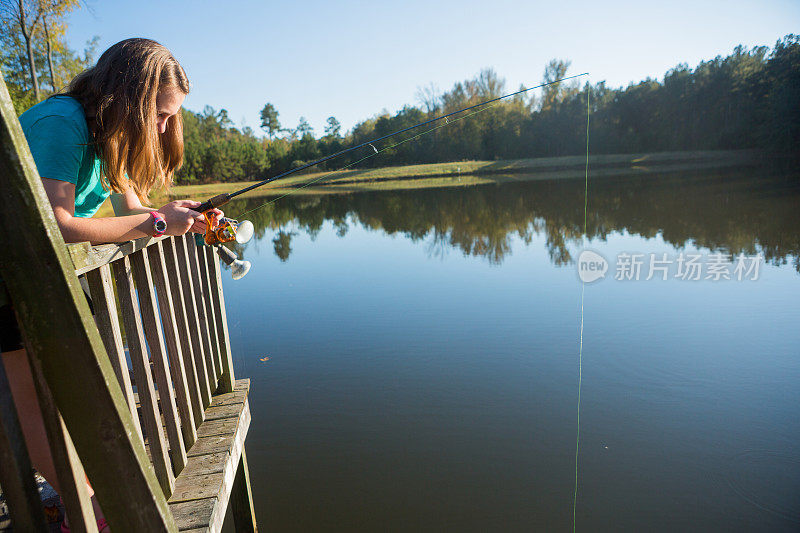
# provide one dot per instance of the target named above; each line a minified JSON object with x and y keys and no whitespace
{"x":225,"y":231}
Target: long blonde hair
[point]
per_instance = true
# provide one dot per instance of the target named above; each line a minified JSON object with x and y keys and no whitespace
{"x":118,"y":95}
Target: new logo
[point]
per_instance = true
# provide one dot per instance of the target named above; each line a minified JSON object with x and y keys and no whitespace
{"x":591,"y":266}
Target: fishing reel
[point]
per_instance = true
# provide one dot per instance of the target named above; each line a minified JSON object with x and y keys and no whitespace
{"x":227,"y":230}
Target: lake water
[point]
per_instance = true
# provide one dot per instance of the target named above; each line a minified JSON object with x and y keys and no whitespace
{"x":423,"y":357}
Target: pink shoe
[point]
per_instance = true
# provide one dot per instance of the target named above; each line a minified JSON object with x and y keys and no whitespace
{"x":101,"y":525}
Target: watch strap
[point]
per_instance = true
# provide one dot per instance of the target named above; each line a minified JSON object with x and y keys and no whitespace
{"x":159,"y":224}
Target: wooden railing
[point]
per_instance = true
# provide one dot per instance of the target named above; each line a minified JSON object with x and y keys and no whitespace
{"x":170,"y":298}
{"x":170,"y":455}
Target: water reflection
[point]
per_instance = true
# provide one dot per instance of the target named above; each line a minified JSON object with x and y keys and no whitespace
{"x":745,"y":211}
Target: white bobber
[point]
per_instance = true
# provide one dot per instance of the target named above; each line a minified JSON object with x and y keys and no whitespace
{"x":244,"y":231}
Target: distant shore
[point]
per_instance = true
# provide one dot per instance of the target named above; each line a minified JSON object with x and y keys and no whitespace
{"x":462,"y":173}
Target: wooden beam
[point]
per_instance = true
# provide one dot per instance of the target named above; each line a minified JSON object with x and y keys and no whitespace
{"x":220,"y":315}
{"x":86,"y":257}
{"x":65,"y":342}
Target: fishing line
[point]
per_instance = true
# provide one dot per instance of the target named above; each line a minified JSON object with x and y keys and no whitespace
{"x":583,"y":290}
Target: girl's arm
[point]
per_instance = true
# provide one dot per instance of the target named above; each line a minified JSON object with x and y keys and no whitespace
{"x":128,"y":203}
{"x":178,"y":215}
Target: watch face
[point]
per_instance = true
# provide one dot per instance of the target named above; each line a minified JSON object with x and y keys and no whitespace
{"x":160,"y":226}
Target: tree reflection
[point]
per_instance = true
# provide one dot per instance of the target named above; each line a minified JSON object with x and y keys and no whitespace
{"x":743,"y":211}
{"x":282,"y":243}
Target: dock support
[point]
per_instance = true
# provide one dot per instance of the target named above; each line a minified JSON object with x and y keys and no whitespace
{"x":244,"y":516}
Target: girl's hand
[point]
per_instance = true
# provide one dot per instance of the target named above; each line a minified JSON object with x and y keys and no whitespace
{"x":179,"y":216}
{"x":186,"y":218}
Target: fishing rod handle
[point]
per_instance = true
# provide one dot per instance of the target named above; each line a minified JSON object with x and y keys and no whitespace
{"x":226,"y":255}
{"x":211,"y":203}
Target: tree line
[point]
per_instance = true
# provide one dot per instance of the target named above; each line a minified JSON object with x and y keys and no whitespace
{"x":748,"y":99}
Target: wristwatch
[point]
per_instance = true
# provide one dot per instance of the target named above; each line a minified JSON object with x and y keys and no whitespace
{"x":159,"y":224}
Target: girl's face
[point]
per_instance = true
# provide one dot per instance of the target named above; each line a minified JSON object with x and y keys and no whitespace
{"x":168,"y":104}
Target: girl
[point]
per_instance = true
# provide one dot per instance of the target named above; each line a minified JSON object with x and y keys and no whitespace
{"x":115,"y":131}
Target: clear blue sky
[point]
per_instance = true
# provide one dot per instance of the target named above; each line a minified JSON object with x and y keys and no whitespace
{"x":353,"y":59}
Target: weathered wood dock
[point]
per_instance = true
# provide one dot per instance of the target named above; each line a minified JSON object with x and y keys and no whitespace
{"x":167,"y":457}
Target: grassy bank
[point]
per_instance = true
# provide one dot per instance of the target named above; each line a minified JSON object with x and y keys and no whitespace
{"x":463,"y":173}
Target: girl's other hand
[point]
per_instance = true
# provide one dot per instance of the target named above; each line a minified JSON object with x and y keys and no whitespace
{"x":199,"y":225}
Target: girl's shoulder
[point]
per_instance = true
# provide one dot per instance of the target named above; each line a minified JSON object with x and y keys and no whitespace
{"x":60,"y":109}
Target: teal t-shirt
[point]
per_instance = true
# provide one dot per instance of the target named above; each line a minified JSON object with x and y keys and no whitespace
{"x":59,"y":139}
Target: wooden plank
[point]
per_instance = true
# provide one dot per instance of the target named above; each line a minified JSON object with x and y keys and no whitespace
{"x":193,"y":320}
{"x":199,"y":295}
{"x":237,"y":449}
{"x":16,"y":473}
{"x":217,"y":427}
{"x":224,"y":411}
{"x":210,"y":512}
{"x":196,"y":487}
{"x":199,"y":465}
{"x":86,"y":257}
{"x":242,"y":509}
{"x":108,"y":325}
{"x":205,"y":274}
{"x":140,"y":267}
{"x":212,"y":444}
{"x":168,"y":319}
{"x":35,"y":262}
{"x":69,"y":470}
{"x":174,"y":275}
{"x":144,"y":379}
{"x":194,"y":514}
{"x":220,"y":315}
{"x":237,"y":396}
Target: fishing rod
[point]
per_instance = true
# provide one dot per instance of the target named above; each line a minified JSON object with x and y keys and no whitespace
{"x":228,"y":230}
{"x":224,"y":198}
